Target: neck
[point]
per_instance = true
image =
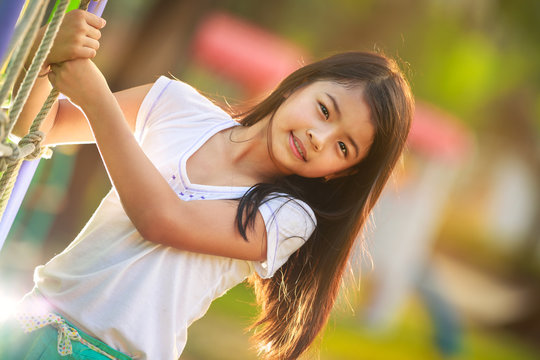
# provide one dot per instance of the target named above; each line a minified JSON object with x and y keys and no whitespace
{"x":249,"y":153}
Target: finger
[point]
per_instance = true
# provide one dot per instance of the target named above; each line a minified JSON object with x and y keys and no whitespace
{"x":85,"y":53}
{"x":94,"y":20}
{"x":91,"y":43}
{"x":93,"y":33}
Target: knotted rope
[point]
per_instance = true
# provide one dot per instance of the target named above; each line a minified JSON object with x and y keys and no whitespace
{"x":30,"y":145}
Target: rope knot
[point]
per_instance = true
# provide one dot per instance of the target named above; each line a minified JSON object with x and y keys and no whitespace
{"x":29,"y":141}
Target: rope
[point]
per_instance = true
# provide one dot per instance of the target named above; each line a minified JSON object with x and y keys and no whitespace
{"x":30,"y":145}
{"x":19,"y":55}
{"x":37,"y":63}
{"x":7,"y":183}
{"x":24,"y":23}
{"x":84,"y":4}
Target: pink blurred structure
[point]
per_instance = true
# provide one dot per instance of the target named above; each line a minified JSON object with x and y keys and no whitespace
{"x":255,"y":58}
{"x":438,"y":134}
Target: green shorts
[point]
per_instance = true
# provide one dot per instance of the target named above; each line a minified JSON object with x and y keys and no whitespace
{"x":42,"y":344}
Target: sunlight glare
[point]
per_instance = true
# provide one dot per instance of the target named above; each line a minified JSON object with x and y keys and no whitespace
{"x":7,"y":306}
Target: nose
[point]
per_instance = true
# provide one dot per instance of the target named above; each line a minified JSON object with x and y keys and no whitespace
{"x":319,"y":137}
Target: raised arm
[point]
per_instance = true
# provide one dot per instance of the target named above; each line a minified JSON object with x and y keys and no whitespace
{"x":151,"y":204}
{"x":78,"y":37}
{"x":70,"y":125}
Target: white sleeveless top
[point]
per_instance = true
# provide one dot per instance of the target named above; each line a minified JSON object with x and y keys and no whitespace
{"x":140,"y":297}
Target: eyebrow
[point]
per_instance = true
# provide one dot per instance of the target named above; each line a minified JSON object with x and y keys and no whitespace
{"x":351,"y":140}
{"x":334,"y":102}
{"x":353,"y":144}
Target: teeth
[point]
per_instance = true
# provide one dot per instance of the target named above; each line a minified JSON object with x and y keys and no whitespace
{"x":298,"y":148}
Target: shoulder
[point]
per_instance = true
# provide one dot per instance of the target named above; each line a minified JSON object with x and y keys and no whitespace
{"x":289,"y":224}
{"x":172,"y":103}
{"x":179,"y":96}
{"x":291,"y":214}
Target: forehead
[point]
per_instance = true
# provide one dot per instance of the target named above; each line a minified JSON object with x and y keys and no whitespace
{"x":351,"y":96}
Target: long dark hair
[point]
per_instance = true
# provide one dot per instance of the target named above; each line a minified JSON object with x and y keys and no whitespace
{"x":296,"y":302}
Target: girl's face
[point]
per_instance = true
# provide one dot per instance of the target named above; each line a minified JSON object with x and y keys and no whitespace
{"x":321,"y":130}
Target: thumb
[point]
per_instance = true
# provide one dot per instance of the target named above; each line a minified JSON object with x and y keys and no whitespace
{"x":52,"y":78}
{"x":52,"y":75}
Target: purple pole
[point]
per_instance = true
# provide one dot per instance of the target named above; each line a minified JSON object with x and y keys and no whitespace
{"x":26,"y":173}
{"x":9,"y":13}
{"x":28,"y":168}
{"x":97,"y":7}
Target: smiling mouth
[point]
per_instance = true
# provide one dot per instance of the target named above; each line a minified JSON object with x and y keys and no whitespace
{"x":297,"y":147}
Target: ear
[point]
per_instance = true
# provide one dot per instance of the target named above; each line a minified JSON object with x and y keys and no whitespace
{"x":342,"y":173}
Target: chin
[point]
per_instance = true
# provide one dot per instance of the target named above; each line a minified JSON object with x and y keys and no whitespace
{"x":309,"y":175}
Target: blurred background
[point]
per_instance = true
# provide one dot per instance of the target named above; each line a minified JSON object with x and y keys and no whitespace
{"x":449,"y":267}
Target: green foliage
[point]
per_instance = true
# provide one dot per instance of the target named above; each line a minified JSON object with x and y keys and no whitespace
{"x":73,"y":4}
{"x":460,"y":75}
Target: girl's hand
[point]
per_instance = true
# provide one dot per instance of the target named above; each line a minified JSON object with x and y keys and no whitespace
{"x":77,"y":38}
{"x":80,"y":80}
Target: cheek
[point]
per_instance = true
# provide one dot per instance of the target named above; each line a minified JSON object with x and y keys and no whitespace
{"x":301,"y":114}
{"x":328,"y":164}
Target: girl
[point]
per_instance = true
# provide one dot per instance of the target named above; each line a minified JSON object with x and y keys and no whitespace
{"x":202,"y":201}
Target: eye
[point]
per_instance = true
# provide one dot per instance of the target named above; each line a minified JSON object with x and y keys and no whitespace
{"x":325,"y":111}
{"x":343,"y":148}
